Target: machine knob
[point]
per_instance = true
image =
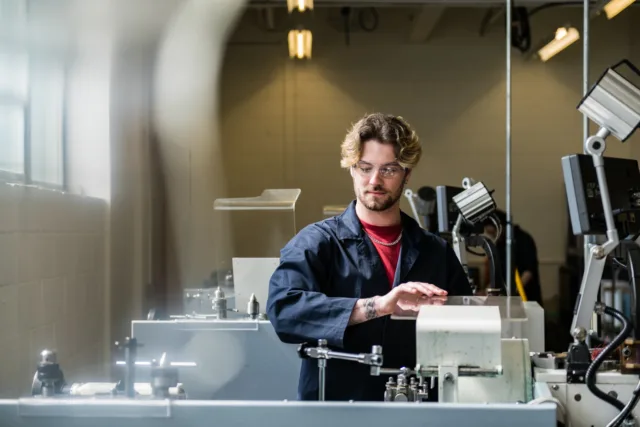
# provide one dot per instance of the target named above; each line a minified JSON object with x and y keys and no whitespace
{"x":220,"y":303}
{"x":48,"y":356}
{"x":219,"y":293}
{"x":253,"y":307}
{"x":401,"y":397}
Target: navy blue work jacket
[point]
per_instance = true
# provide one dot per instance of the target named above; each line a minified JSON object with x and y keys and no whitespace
{"x":324,"y":270}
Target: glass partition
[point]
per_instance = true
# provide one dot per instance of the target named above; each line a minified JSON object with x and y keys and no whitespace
{"x":333,"y":210}
{"x":258,"y":228}
{"x":511,"y":308}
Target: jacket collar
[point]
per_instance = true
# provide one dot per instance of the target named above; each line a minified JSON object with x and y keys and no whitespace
{"x":349,"y":226}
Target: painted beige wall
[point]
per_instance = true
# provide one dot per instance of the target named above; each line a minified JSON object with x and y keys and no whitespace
{"x":283,"y":121}
{"x":52,"y":284}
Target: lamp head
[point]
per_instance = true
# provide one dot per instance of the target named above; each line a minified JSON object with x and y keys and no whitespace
{"x":475,"y":203}
{"x":614,"y":101}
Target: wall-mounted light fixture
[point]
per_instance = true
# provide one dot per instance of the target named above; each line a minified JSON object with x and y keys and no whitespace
{"x":300,"y":5}
{"x":564,"y":37}
{"x":614,"y":7}
{"x":300,"y":44}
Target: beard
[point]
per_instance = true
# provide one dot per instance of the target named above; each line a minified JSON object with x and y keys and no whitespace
{"x":379,"y":203}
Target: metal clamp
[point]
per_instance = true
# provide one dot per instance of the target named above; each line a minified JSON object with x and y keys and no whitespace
{"x":432,"y":371}
{"x":323,"y":353}
{"x":163,"y":377}
{"x":416,"y":390}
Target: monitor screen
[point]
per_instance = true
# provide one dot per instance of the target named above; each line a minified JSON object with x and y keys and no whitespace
{"x":584,"y":199}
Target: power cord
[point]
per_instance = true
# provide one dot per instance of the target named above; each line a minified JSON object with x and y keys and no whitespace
{"x":590,"y":377}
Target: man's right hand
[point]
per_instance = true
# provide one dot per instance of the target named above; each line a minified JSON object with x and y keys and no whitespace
{"x":405,"y":297}
{"x":409,"y":296}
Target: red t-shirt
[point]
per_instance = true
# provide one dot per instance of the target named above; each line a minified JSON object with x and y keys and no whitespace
{"x":388,"y":254}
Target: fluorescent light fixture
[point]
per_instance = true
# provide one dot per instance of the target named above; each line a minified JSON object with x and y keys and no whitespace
{"x":614,"y":7}
{"x":300,"y":5}
{"x":564,"y":37}
{"x":300,"y":44}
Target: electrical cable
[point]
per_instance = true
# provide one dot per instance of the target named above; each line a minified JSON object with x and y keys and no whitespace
{"x":590,"y":377}
{"x":495,"y":268}
{"x":475,"y":253}
{"x":491,"y":252}
{"x":619,"y":419}
{"x":498,"y":225}
{"x":619,"y":263}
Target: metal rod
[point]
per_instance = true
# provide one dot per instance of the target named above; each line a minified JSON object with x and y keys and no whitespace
{"x":585,"y":67}
{"x":508,"y":168}
{"x":322,"y":367}
{"x":129,"y":382}
{"x":432,"y":371}
{"x":589,"y":240}
{"x":345,"y":356}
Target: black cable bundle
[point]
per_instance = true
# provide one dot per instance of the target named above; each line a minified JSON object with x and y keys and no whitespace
{"x":590,"y":378}
{"x":495,"y":268}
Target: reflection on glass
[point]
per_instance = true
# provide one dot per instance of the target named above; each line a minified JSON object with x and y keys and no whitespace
{"x":510,"y":307}
{"x":270,"y":199}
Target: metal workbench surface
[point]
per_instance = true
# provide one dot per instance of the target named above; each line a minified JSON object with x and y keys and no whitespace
{"x":53,"y":412}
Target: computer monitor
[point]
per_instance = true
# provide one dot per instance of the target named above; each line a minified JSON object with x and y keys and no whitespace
{"x":583,"y":194}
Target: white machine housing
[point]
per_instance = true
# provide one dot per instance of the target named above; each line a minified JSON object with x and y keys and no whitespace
{"x":454,"y":337}
{"x":459,"y":336}
{"x":582,"y":407}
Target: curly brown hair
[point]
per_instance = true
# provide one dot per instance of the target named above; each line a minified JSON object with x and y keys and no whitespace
{"x":386,"y":129}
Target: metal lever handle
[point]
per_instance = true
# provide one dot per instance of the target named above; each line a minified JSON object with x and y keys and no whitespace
{"x":323,"y":353}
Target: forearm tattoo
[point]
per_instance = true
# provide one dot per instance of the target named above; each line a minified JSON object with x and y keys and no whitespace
{"x":370,"y":308}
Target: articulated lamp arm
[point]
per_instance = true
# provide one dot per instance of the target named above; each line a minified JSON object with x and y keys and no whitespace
{"x":597,"y":254}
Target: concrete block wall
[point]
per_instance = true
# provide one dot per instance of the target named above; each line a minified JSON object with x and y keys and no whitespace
{"x":52,"y":284}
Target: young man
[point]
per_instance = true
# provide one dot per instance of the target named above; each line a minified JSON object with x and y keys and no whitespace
{"x":340,"y":279}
